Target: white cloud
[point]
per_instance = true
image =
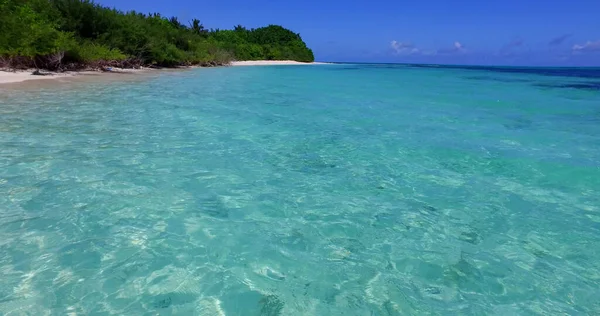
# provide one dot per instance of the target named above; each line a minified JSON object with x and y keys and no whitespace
{"x":404,"y":48}
{"x":589,"y":46}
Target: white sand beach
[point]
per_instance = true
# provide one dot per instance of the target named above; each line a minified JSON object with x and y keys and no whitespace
{"x":9,"y":76}
{"x":24,"y":75}
{"x":270,"y":63}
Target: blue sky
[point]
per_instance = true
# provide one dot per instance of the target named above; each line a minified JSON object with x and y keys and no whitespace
{"x":510,"y":32}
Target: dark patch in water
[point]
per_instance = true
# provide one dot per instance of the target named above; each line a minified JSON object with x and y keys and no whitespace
{"x":470,"y":237}
{"x":432,"y":290}
{"x":465,"y":275}
{"x":535,"y":250}
{"x":308,"y":162}
{"x":311,"y":163}
{"x":355,"y":301}
{"x":384,"y":217}
{"x":389,"y":266}
{"x":551,"y":72}
{"x":270,"y":305}
{"x":518,"y":124}
{"x":212,"y":206}
{"x":351,"y":244}
{"x":370,"y":66}
{"x":269,"y":121}
{"x":163,"y":303}
{"x":389,"y":66}
{"x":325,"y":291}
{"x":389,"y":308}
{"x":381,"y":217}
{"x":430,"y":208}
{"x":593,"y":86}
{"x":490,"y":78}
{"x":172,"y":299}
{"x":312,"y":155}
{"x":347,"y":68}
{"x":295,"y":240}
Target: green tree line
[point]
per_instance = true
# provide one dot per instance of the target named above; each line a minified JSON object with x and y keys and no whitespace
{"x":70,"y":34}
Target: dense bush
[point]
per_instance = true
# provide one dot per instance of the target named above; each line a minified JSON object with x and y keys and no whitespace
{"x":271,"y":43}
{"x":29,"y":29}
{"x":89,"y":52}
{"x":56,"y":33}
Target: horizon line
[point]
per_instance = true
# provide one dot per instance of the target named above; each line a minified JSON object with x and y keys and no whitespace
{"x":456,"y":65}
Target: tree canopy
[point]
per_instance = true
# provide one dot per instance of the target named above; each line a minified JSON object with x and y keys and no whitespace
{"x":65,"y":34}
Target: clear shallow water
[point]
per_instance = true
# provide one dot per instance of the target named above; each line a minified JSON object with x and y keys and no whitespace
{"x":325,"y":190}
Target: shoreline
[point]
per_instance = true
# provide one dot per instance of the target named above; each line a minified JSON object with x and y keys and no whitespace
{"x":8,"y":77}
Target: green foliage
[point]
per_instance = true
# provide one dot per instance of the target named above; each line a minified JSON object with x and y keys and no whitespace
{"x":89,"y":52}
{"x":28,"y":33}
{"x":271,"y":43}
{"x":88,"y":32}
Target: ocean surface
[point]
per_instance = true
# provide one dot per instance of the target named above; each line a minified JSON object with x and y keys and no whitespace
{"x":304,"y":190}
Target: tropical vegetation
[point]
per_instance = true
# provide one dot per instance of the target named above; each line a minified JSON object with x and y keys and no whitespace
{"x":73,"y":34}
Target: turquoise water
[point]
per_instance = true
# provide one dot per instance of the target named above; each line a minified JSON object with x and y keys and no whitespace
{"x":309,"y":190}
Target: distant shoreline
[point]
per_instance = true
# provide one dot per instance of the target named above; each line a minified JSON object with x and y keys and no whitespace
{"x":271,"y":63}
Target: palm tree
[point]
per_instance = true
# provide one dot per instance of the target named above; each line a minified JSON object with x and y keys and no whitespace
{"x":197,"y":27}
{"x":175,"y":22}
